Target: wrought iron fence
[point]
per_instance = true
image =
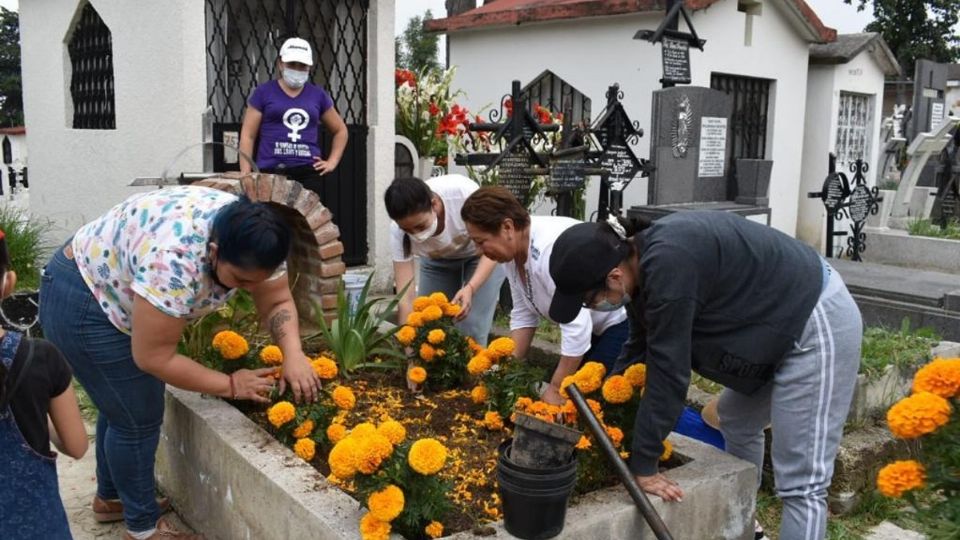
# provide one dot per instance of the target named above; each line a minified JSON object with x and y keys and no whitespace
{"x":751,"y":99}
{"x":91,"y":78}
{"x":556,"y":94}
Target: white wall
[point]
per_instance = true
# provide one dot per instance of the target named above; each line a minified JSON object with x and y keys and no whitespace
{"x":160,"y":93}
{"x":593,"y":53}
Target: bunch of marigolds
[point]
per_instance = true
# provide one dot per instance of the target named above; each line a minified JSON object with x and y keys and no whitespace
{"x":438,"y":351}
{"x":929,"y":416}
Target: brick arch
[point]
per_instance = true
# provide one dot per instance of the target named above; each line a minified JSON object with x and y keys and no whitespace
{"x":315,"y":265}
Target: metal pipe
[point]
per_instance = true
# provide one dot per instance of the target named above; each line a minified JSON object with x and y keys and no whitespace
{"x":656,"y":524}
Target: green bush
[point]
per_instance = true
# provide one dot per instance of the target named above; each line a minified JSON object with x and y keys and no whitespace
{"x":903,"y":348}
{"x":924,"y":227}
{"x":25,"y":242}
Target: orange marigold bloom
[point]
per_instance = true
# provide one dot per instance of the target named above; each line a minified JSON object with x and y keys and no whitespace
{"x":940,"y":377}
{"x":363,"y":429}
{"x":667,"y":451}
{"x":427,"y":353}
{"x":421,"y":303}
{"x":501,"y":348}
{"x":595,"y":407}
{"x":343,"y":458}
{"x":393,"y":431}
{"x":569,"y":411}
{"x":479,"y":364}
{"x":436,"y":336}
{"x":281,"y":413}
{"x":406,"y":334}
{"x":230,"y":344}
{"x":523,"y":403}
{"x":479,"y":394}
{"x":584,"y":443}
{"x":415,"y":319}
{"x":427,"y":456}
{"x":372,"y":451}
{"x":593,"y":369}
{"x":336,"y":432}
{"x":636,"y":374}
{"x":303,"y":430}
{"x":434,"y":529}
{"x":917,"y":415}
{"x":617,"y":389}
{"x":492,"y":421}
{"x":387,"y":503}
{"x":439,"y":299}
{"x":452,"y":310}
{"x":305,"y":448}
{"x":417,"y":374}
{"x":901,"y":476}
{"x":343,"y":397}
{"x":325,"y":368}
{"x":474,"y":346}
{"x":615,"y":434}
{"x":431,"y":313}
{"x":372,"y":528}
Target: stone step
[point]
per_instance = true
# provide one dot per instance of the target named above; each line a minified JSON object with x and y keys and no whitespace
{"x":923,"y":287}
{"x":889,"y":531}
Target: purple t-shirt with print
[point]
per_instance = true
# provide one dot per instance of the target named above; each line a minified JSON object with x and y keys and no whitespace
{"x":288,"y":130}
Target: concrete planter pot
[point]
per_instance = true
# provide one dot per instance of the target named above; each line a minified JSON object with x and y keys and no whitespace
{"x":753,"y":181}
{"x":231,"y":479}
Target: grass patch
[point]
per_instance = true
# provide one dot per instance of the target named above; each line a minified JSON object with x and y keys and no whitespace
{"x":88,"y":410}
{"x":704,"y":383}
{"x":546,"y":330}
{"x":903,"y":348}
{"x":924,"y":227}
{"x":25,"y":242}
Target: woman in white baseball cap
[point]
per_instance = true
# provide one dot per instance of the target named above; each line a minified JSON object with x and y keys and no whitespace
{"x":285,"y":114}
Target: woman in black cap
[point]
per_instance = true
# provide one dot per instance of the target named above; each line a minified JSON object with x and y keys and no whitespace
{"x":744,"y":305}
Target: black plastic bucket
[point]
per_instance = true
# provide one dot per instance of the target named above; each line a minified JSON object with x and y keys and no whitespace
{"x":506,"y":460}
{"x":534,"y":502}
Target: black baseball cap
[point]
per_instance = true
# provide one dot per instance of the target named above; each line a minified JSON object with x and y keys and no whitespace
{"x":582,"y":257}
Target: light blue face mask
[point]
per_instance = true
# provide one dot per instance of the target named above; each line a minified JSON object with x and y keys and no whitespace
{"x":606,"y":305}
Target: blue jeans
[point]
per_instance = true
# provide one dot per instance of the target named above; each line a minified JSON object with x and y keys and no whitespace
{"x":606,"y":347}
{"x":449,"y":276}
{"x":130,"y":401}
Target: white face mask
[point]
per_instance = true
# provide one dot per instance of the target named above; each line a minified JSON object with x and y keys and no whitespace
{"x":295,"y":79}
{"x":425,"y":234}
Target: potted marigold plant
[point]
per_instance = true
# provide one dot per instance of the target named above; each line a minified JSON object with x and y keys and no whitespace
{"x":929,"y":416}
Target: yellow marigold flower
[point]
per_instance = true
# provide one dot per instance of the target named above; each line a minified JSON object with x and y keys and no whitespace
{"x":336,"y":432}
{"x":636,"y":374}
{"x":325,"y":368}
{"x":588,"y":383}
{"x":343,"y":459}
{"x":523,"y":403}
{"x":363,"y":429}
{"x":305,"y":448}
{"x":431,"y":313}
{"x":917,"y":415}
{"x":230,"y":344}
{"x":451,"y":310}
{"x":501,"y":348}
{"x":492,"y":421}
{"x":615,"y":434}
{"x":593,"y":369}
{"x":406,"y":334}
{"x":421,"y":303}
{"x":271,"y":355}
{"x":427,"y":456}
{"x":617,"y":389}
{"x":372,"y":528}
{"x":564,"y":384}
{"x":438,"y":298}
{"x":415,"y":319}
{"x":372,"y":451}
{"x":569,"y":411}
{"x":583,"y":443}
{"x":427,"y":353}
{"x":281,"y":413}
{"x":479,"y":364}
{"x":473,"y":345}
{"x":940,"y":377}
{"x":479,"y":394}
{"x":436,"y":336}
{"x":667,"y":451}
{"x":434,"y":529}
{"x":386,"y":504}
{"x":343,"y":397}
{"x":901,"y":476}
{"x":393,"y":431}
{"x":595,"y":407}
{"x":303,"y":430}
{"x":417,"y":374}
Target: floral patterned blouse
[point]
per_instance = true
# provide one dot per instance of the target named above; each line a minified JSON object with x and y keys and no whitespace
{"x":154,"y":244}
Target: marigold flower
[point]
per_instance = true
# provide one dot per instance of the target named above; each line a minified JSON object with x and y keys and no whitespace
{"x":479,"y":394}
{"x":583,"y":443}
{"x":230,"y":344}
{"x":569,"y":411}
{"x":427,"y":456}
{"x":271,"y":355}
{"x":372,"y":450}
{"x":917,"y":415}
{"x":325,"y":368}
{"x":436,"y":336}
{"x":343,"y":397}
{"x":427,"y":353}
{"x":479,"y":364}
{"x":667,"y":451}
{"x":393,"y":431}
{"x":473,"y":345}
{"x":434,"y":529}
{"x":305,"y":448}
{"x":406,"y":334}
{"x":336,"y":432}
{"x":901,"y":476}
{"x":303,"y":430}
{"x":593,"y":369}
{"x":372,"y":528}
{"x":431,"y":313}
{"x":386,"y":504}
{"x":281,"y":413}
{"x":501,"y":348}
{"x":421,"y":303}
{"x":523,"y":403}
{"x":417,"y":374}
{"x":617,"y":389}
{"x":595,"y":407}
{"x":439,"y":299}
{"x":343,"y":459}
{"x":363,"y":429}
{"x":452,"y":310}
{"x":637,"y":375}
{"x":492,"y":421}
{"x":415,"y":319}
{"x":940,"y":377}
{"x":615,"y":434}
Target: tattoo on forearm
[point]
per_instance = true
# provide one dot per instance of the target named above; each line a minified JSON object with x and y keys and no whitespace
{"x":277,"y":320}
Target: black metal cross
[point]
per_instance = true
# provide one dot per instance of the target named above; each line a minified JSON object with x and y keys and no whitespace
{"x":675,"y":45}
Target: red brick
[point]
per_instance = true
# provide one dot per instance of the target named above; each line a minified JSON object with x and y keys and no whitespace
{"x":328,"y":301}
{"x":264,"y":187}
{"x":330,"y":250}
{"x":326,"y":233}
{"x":281,"y":188}
{"x":332,"y":269}
{"x":249,"y":186}
{"x":327,"y":285}
{"x":307,"y":201}
{"x":318,"y":217}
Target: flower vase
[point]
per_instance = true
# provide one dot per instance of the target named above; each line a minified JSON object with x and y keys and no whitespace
{"x":426,"y":167}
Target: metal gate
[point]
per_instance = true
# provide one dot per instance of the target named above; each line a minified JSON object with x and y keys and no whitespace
{"x":243,"y":41}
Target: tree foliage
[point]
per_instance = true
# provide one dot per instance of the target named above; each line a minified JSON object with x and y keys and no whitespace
{"x":416,"y":49}
{"x":11,"y":95}
{"x":916,"y":29}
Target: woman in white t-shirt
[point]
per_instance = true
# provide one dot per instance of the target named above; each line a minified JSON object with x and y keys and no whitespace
{"x":504,"y":231}
{"x":427,"y":224}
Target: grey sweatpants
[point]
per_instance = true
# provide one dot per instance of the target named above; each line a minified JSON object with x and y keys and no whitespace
{"x":807,"y":404}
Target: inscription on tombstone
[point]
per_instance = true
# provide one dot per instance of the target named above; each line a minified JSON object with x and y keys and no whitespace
{"x":567,"y":175}
{"x":676,"y":60}
{"x":835,"y":190}
{"x":860,"y":203}
{"x":620,"y":162}
{"x":713,"y":146}
{"x":515,"y":172}
{"x":936,"y":115}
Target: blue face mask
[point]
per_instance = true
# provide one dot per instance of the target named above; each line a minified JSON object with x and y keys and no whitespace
{"x":606,"y":305}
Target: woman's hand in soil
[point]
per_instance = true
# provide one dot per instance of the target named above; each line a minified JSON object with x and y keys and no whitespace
{"x":302,"y":379}
{"x":661,"y":486}
{"x":252,"y":384}
{"x":551,"y":395}
{"x":464,"y":298}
